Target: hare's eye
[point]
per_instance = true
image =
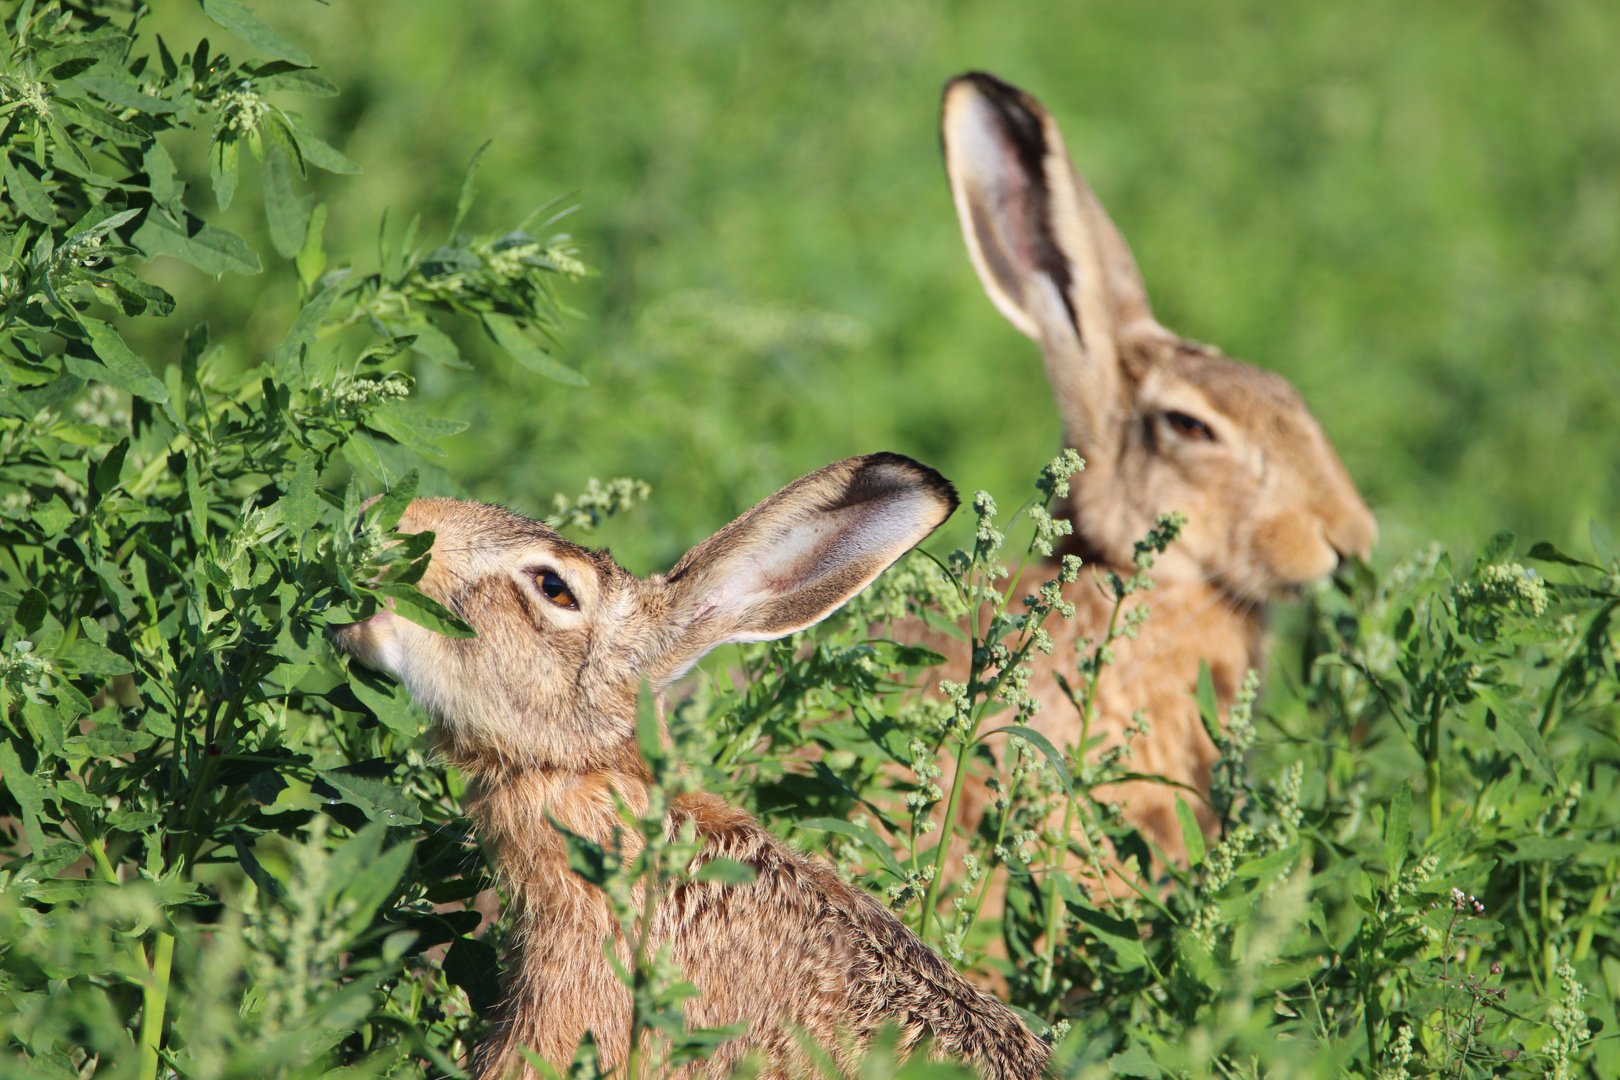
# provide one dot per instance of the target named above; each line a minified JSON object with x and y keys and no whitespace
{"x":1188,"y":427}
{"x":556,"y":590}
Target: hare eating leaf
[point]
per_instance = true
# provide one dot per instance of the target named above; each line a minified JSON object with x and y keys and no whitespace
{"x":539,"y":712}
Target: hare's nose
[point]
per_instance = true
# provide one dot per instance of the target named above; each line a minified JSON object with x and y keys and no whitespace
{"x":1352,"y":532}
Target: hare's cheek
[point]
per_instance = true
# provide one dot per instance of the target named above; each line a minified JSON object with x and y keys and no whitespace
{"x":1293,"y":550}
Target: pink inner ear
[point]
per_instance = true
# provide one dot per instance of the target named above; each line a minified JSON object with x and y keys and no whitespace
{"x":863,"y":539}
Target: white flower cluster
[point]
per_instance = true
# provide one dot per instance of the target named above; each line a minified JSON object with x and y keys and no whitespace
{"x":241,"y":109}
{"x":1566,"y":807}
{"x":927,"y":770}
{"x":1240,"y":717}
{"x":1220,"y":866}
{"x":26,"y":672}
{"x":1568,"y":1021}
{"x":1399,"y":1055}
{"x":1504,"y":584}
{"x":597,"y":502}
{"x":101,"y":405}
{"x":354,"y":395}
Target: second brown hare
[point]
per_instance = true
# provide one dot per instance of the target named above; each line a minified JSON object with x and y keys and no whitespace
{"x":539,"y":712}
{"x":1164,"y":424}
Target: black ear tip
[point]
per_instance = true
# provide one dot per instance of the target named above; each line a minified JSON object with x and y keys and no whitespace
{"x":1000,"y":92}
{"x":919,"y":474}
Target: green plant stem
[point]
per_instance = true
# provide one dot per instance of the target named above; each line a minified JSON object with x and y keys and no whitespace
{"x":155,"y":994}
{"x":1594,"y":908}
{"x":932,"y":896}
{"x":1054,"y":905}
{"x":153,"y":1002}
{"x":1088,"y":709}
{"x":1001,"y":836}
{"x":1432,"y":764}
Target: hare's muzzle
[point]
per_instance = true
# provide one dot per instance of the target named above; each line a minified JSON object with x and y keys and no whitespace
{"x":374,"y":641}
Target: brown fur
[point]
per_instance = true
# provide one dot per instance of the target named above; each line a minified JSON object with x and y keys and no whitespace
{"x":1270,"y":508}
{"x":539,"y":711}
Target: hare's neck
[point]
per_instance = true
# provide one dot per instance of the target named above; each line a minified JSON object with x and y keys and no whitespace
{"x":514,"y":809}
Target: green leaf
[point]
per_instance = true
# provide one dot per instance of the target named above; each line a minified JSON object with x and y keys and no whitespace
{"x":1134,"y":1060}
{"x":386,"y":511}
{"x":725,"y":872}
{"x":241,"y":21}
{"x":70,"y":158}
{"x":1548,"y":553}
{"x":224,"y":158}
{"x":1603,"y":545}
{"x":1208,"y":704}
{"x":92,"y":659}
{"x":1054,"y":758}
{"x":109,"y":471}
{"x":278,"y":76}
{"x":1498,"y":548}
{"x":374,"y":883}
{"x":52,"y":393}
{"x":311,"y":260}
{"x":211,"y":250}
{"x":916,"y":656}
{"x":431,"y":342}
{"x":31,"y":611}
{"x":386,"y":700}
{"x":380,"y":800}
{"x":516,"y":344}
{"x":410,"y":428}
{"x":125,"y":94}
{"x":25,"y":789}
{"x":302,"y":333}
{"x":423,"y":610}
{"x":300,"y":506}
{"x":1118,"y":934}
{"x":123,"y":369}
{"x":1518,"y":734}
{"x":1191,"y":834}
{"x":869,"y":839}
{"x":286,"y":213}
{"x":112,"y":739}
{"x":474,"y":966}
{"x":1398,"y":828}
{"x":320,"y":154}
{"x":28,"y":194}
{"x":100,"y":122}
{"x":464,"y":198}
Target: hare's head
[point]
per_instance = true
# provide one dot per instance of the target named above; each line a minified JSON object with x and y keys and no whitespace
{"x":1163,"y":423}
{"x":566,"y":636}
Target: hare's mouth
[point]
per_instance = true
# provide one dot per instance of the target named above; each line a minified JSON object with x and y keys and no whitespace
{"x":370,"y":640}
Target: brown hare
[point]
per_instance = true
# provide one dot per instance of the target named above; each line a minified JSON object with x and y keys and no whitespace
{"x":539,"y":712}
{"x":1164,"y":424}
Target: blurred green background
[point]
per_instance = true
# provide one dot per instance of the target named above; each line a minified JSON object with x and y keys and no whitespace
{"x":1410,"y":209}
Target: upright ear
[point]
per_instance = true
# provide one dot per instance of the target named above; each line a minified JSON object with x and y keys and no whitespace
{"x":1045,"y":251}
{"x":795,"y":558}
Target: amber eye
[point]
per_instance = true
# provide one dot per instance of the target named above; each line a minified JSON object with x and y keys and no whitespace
{"x":556,"y":591}
{"x":1188,"y":427}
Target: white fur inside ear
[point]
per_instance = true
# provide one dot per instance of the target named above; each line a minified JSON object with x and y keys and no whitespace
{"x":864,"y":539}
{"x":988,"y":196}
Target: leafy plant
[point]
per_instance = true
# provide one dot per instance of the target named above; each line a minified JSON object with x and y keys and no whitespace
{"x":185,"y":763}
{"x":228,"y":855}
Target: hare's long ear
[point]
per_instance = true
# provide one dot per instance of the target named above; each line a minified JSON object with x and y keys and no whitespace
{"x":1046,"y":252}
{"x":794,"y":559}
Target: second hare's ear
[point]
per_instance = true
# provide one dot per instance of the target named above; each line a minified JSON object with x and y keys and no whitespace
{"x":795,"y":558}
{"x":1044,"y":249}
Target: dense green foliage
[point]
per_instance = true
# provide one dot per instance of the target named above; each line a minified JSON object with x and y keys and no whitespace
{"x":1408,"y":208}
{"x":227,"y":854}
